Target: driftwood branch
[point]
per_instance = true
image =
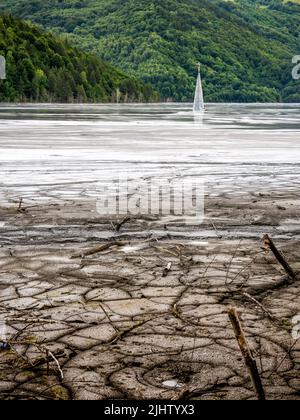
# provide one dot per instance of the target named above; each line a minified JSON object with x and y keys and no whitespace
{"x":278,"y":255}
{"x":97,"y":249}
{"x":247,"y":354}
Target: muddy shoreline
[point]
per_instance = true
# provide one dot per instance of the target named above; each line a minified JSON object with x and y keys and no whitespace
{"x":97,"y":310}
{"x":116,"y":320}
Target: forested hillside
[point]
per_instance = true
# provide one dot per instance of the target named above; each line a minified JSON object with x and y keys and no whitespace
{"x":43,"y":67}
{"x":245,"y":46}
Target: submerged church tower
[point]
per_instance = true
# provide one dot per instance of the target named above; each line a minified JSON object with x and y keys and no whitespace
{"x":199,"y":101}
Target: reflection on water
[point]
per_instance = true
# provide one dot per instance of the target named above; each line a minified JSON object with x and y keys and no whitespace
{"x":66,"y":149}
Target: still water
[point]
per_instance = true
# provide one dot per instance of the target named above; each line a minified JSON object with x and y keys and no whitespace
{"x":61,"y":151}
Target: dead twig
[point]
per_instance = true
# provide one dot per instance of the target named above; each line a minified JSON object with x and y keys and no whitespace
{"x":265,"y":311}
{"x":100,"y":248}
{"x":207,"y":269}
{"x":231,"y":262}
{"x":39,"y":362}
{"x":269,"y":244}
{"x":20,"y":209}
{"x":61,"y":374}
{"x":247,"y":354}
{"x":119,"y":225}
{"x":109,"y":319}
{"x":288,"y":353}
{"x":248,"y":265}
{"x":121,"y":334}
{"x":215,"y":229}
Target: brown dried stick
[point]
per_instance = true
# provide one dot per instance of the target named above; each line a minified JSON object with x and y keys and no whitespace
{"x":247,"y":354}
{"x":278,"y":255}
{"x":97,"y":249}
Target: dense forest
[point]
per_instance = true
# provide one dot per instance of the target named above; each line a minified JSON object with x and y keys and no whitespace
{"x":245,"y":46}
{"x":43,"y":67}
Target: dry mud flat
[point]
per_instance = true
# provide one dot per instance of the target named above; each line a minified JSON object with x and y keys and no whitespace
{"x":146,"y":316}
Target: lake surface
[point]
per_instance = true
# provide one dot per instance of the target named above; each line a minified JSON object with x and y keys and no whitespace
{"x":55,"y":151}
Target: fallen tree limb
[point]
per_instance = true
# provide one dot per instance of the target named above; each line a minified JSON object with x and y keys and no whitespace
{"x":269,"y":244}
{"x":247,"y":354}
